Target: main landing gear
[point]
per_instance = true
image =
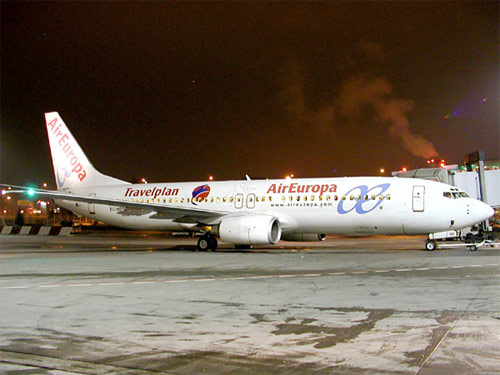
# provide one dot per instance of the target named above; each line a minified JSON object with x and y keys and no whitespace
{"x":207,"y":243}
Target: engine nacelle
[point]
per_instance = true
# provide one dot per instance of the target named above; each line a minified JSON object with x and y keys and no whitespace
{"x":303,"y":237}
{"x":250,"y":230}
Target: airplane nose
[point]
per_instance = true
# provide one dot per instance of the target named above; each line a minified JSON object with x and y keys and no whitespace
{"x":483,"y":211}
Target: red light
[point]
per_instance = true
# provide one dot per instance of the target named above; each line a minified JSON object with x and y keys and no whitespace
{"x":433,"y":161}
{"x":428,"y":161}
{"x":405,"y":169}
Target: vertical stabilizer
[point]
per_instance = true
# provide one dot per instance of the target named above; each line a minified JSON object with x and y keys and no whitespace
{"x":71,"y":167}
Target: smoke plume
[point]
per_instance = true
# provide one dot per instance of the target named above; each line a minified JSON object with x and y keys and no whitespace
{"x":358,"y":94}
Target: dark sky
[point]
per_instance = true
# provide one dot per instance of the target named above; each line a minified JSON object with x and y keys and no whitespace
{"x":177,"y":91}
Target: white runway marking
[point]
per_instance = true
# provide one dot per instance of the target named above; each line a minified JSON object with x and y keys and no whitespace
{"x":80,"y":285}
{"x":250,"y":277}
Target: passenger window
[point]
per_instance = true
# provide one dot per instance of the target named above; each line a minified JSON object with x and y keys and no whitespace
{"x":320,"y":197}
{"x":381,"y":197}
{"x":291,"y":198}
{"x":298,"y":198}
{"x":224,"y":199}
{"x":312,"y":198}
{"x":388,"y":197}
{"x":305,"y":198}
{"x":283,"y":198}
{"x":182,"y":200}
{"x":169,"y":200}
{"x":328,"y":197}
{"x":456,"y":195}
{"x":373,"y":197}
{"x":263,"y":199}
{"x":231,"y":199}
{"x":270,"y":198}
{"x":188,"y":200}
{"x":218,"y":199}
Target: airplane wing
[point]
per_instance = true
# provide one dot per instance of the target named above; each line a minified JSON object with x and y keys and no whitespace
{"x":179,"y":214}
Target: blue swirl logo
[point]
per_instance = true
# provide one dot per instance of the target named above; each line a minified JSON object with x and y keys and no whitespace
{"x":365,"y":203}
{"x":62,"y":179}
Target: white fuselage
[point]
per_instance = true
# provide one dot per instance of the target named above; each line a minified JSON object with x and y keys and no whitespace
{"x":349,"y":205}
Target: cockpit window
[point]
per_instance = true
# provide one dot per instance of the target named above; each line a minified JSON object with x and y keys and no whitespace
{"x":455,"y":194}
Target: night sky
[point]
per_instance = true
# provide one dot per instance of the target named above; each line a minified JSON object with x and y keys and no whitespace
{"x":176,"y":91}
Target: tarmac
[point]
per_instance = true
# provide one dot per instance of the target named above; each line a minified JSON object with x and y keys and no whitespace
{"x":127,"y":303}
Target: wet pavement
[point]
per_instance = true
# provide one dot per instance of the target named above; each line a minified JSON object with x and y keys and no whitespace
{"x":127,"y":305}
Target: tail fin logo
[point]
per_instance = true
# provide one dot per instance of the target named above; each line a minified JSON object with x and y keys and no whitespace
{"x":61,"y":176}
{"x":64,"y":141}
{"x":199,"y":193}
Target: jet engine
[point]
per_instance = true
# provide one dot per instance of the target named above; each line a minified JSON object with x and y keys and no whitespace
{"x":250,"y":230}
{"x":303,"y":237}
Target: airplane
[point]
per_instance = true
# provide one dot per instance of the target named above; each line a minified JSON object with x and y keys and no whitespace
{"x":256,"y":212}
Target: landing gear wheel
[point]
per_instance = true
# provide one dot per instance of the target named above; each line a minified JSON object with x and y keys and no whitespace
{"x":473,"y":248}
{"x":207,"y":243}
{"x":430,"y":245}
{"x":212,"y":243}
{"x":203,"y":243}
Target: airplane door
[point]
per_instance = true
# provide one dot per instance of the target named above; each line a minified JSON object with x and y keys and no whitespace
{"x":251,"y":200}
{"x":92,"y":205}
{"x":238,"y":201}
{"x":418,"y":198}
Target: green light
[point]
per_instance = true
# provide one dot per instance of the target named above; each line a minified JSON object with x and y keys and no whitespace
{"x":31,"y":192}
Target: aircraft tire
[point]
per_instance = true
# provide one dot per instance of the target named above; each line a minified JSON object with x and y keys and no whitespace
{"x":203,"y":243}
{"x":473,"y":248}
{"x":430,"y":245}
{"x":212,"y":243}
